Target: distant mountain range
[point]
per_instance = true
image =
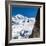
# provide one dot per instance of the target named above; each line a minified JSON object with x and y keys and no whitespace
{"x":18,"y":19}
{"x":22,"y":26}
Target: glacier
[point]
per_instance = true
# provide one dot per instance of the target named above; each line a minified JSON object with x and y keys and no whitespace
{"x":22,"y":26}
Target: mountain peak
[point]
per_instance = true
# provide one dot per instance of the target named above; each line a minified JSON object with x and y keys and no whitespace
{"x":19,"y":16}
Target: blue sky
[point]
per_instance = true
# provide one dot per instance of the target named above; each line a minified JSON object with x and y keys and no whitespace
{"x":25,"y":11}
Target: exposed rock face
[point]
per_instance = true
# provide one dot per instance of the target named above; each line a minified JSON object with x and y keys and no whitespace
{"x":36,"y":30}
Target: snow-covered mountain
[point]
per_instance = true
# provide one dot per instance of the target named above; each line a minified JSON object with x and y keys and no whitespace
{"x":22,"y":26}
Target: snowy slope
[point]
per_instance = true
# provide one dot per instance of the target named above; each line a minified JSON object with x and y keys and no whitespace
{"x":22,"y":26}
